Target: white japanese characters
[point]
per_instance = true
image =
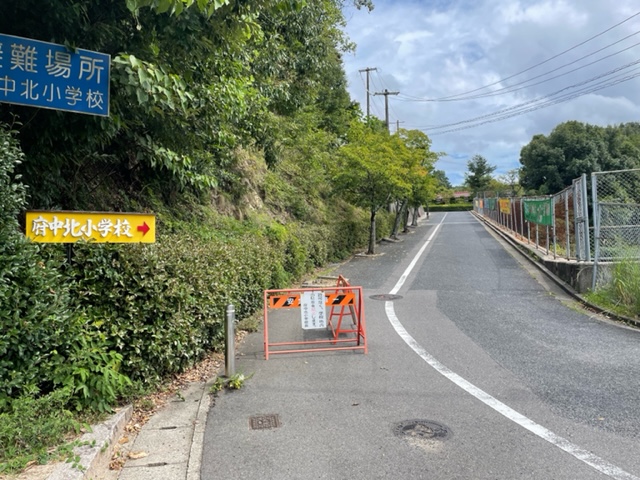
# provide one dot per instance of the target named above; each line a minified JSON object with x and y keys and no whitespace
{"x":48,"y":75}
{"x":71,"y":228}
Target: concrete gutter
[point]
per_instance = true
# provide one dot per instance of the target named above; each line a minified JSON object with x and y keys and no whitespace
{"x":95,"y":450}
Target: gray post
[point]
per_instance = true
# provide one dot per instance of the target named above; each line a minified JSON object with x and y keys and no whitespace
{"x":585,"y":206}
{"x":596,"y":230}
{"x":368,"y":92}
{"x":386,"y":94}
{"x":230,"y":343}
{"x":566,"y":223}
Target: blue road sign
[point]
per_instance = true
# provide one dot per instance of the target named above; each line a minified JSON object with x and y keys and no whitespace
{"x":47,"y":75}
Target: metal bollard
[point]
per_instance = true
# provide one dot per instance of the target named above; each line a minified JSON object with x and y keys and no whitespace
{"x":230,"y":343}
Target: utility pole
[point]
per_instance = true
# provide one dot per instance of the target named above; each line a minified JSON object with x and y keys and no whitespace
{"x":386,"y":94}
{"x":398,"y":122}
{"x":368,"y":69}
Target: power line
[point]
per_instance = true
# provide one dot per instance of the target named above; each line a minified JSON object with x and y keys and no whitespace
{"x":527,"y":84}
{"x":522,"y":111}
{"x":384,"y":84}
{"x":541,"y":98}
{"x":450,"y":97}
{"x":369,"y":92}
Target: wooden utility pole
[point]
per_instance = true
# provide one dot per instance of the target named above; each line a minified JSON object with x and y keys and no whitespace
{"x":386,"y":94}
{"x":398,"y":122}
{"x":368,"y":69}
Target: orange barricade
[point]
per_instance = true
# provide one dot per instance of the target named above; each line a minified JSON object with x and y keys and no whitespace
{"x":353,"y":311}
{"x":313,"y":324}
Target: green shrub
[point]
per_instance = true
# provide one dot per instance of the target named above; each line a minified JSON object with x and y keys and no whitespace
{"x":162,"y":306}
{"x":458,"y":207}
{"x":92,"y":374}
{"x":34,"y":314}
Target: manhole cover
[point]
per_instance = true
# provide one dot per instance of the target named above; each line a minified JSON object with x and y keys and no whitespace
{"x":385,"y":296}
{"x":425,"y":429}
{"x":264,"y":422}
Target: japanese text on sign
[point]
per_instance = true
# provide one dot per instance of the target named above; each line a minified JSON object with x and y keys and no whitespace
{"x":313,"y":311}
{"x":48,"y":75}
{"x":71,"y":227}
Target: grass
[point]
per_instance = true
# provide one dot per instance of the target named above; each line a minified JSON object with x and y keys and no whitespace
{"x":622,"y":294}
{"x":32,"y":426}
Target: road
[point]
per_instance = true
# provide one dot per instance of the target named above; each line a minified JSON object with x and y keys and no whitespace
{"x":523,"y":383}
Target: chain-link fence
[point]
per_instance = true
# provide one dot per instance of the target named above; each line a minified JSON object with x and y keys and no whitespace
{"x":616,"y":207}
{"x":557,"y":224}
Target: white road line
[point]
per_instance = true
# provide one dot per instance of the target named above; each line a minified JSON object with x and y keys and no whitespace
{"x":416,"y":258}
{"x":581,"y":454}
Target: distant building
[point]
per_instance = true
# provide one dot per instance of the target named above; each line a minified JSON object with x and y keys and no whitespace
{"x":462,"y":194}
{"x":457,"y":196}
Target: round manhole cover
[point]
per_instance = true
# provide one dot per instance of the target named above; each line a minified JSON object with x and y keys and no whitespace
{"x":424,"y":429}
{"x":386,"y":297}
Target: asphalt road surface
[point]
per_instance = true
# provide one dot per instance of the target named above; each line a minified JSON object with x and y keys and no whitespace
{"x":481,"y":370}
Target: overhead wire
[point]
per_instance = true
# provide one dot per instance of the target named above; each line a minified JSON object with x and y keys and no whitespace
{"x":505,"y":114}
{"x":378,"y":88}
{"x":543,"y":97}
{"x":526,"y":83}
{"x":463,"y":94}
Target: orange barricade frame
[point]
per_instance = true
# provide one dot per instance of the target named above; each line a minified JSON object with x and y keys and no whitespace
{"x":344,"y":302}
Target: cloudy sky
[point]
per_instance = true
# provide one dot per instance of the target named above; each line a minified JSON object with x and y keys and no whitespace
{"x":484,"y":76}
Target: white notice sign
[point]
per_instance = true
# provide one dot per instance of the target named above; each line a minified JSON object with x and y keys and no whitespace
{"x":313,"y":310}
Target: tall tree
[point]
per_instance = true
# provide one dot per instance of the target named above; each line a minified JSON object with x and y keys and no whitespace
{"x":550,"y":163}
{"x":418,"y":160}
{"x":369,"y":171}
{"x":189,"y":88}
{"x":441,"y":179}
{"x":479,"y":173}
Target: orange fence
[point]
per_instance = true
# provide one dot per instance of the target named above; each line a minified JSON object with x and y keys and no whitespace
{"x":341,"y":328}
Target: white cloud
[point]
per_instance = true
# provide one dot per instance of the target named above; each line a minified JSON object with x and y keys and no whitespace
{"x":429,"y":50}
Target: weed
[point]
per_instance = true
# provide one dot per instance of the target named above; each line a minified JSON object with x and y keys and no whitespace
{"x":622,"y":294}
{"x":234,"y":382}
{"x":31,"y":426}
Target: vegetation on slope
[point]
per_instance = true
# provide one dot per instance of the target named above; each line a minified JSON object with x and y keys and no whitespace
{"x":230,"y":120}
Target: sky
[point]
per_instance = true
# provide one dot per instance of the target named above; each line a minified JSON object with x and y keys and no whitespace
{"x":482,"y":77}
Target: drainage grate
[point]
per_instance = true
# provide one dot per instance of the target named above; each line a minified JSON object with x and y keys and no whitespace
{"x":264,"y":422}
{"x":385,"y":296}
{"x":424,"y":429}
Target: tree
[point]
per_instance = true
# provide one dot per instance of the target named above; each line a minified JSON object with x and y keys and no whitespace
{"x":551,"y":163}
{"x":441,"y":179}
{"x":369,"y":171}
{"x":418,"y":160}
{"x":479,"y":173}
{"x":192,"y":83}
{"x":511,"y":180}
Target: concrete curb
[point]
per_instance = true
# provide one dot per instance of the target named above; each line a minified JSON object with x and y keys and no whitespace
{"x":195,"y":455}
{"x":95,"y":450}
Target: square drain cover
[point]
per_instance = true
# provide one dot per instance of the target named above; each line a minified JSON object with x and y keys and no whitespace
{"x":264,"y":422}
